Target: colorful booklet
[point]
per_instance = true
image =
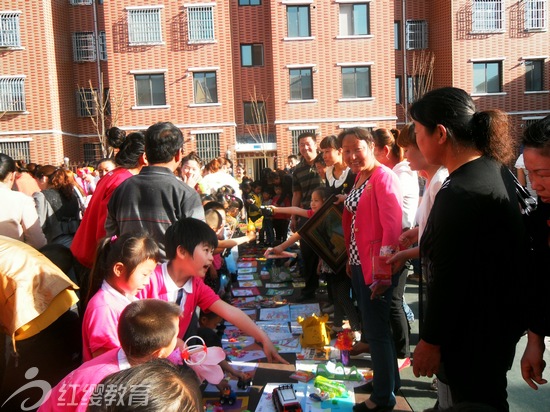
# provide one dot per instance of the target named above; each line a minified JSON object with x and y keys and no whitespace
{"x":245,"y":291}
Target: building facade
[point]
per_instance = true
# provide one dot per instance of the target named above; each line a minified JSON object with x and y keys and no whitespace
{"x":243,"y":78}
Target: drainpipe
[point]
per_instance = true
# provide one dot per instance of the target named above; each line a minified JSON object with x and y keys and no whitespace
{"x":405,"y":77}
{"x":99,"y":76}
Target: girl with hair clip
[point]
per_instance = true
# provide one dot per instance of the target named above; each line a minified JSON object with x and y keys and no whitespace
{"x":57,"y":206}
{"x":122,"y":268}
{"x":217,"y":176}
{"x":472,"y":250}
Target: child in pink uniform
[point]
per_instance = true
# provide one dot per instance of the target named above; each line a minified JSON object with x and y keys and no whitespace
{"x":123,"y":267}
{"x":147,"y":329}
{"x":189,"y":246}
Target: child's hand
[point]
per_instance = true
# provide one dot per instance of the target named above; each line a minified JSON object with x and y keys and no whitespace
{"x":222,"y":385}
{"x":271,"y":353}
{"x":251,"y":235}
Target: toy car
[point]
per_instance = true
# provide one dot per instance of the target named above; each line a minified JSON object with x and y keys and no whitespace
{"x":285,"y":400}
{"x":244,"y":383}
{"x":228,"y":397}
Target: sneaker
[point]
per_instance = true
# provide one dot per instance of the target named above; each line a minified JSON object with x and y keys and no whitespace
{"x":403,"y":363}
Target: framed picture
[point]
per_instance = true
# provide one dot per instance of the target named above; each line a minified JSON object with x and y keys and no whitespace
{"x":323,"y":232}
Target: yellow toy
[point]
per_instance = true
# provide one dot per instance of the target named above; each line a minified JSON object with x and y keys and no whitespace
{"x":314,"y":331}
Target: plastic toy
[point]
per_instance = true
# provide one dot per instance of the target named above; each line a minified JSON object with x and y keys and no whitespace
{"x":228,"y":396}
{"x":333,"y":389}
{"x":285,"y":400}
{"x":314,"y":331}
{"x":245,"y":383}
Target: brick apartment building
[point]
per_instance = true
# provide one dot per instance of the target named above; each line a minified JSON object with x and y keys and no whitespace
{"x":243,"y":78}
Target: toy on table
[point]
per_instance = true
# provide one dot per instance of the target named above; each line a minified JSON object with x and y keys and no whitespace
{"x":314,"y":331}
{"x":319,"y":395}
{"x":245,"y":383}
{"x":333,"y":389}
{"x":285,"y":400}
{"x":228,"y":396}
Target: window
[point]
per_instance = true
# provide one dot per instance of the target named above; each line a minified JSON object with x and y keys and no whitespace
{"x":416,"y":87}
{"x":150,"y":90}
{"x":208,"y":146}
{"x":398,"y":98}
{"x":102,"y":46}
{"x":301,"y":84}
{"x":295,"y":133}
{"x":535,"y":14}
{"x":354,"y":19}
{"x":84,"y":47}
{"x":487,"y":77}
{"x":397,"y":35}
{"x":487,"y":16}
{"x":144,"y":26}
{"x":298,"y":21}
{"x":200,"y":24}
{"x":254,"y":113}
{"x":417,"y":34}
{"x":356,"y":82}
{"x":12,"y":94}
{"x":252,"y":55}
{"x":250,"y":2}
{"x":86,"y":102}
{"x":16,"y":149}
{"x":92,"y":152}
{"x":81,"y":2}
{"x":533,"y":75}
{"x":10,"y":31}
{"x":205,"y":87}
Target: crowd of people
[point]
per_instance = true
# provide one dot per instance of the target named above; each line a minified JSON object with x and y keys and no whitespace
{"x":146,"y":238}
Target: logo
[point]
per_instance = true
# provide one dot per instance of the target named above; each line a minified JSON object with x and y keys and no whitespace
{"x":31,"y":373}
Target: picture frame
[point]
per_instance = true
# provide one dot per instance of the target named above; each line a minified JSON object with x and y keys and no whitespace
{"x":324,"y":233}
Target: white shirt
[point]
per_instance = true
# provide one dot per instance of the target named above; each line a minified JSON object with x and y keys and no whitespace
{"x":428,"y":199}
{"x":408,"y":181}
{"x":172,"y":289}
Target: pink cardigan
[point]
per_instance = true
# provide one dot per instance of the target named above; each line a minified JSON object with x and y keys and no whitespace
{"x":377,"y":220}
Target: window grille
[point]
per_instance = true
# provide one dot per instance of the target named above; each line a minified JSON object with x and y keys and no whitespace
{"x":10,"y":31}
{"x":144,"y":26}
{"x":417,"y":34}
{"x":530,"y":121}
{"x":17,"y":150}
{"x":92,"y":152}
{"x":535,"y":14}
{"x":102,"y":46}
{"x":200,"y":23}
{"x":12,"y":94}
{"x":295,"y":133}
{"x":487,"y":16}
{"x":81,"y":2}
{"x":84,"y":49}
{"x":86,"y":103}
{"x":208,"y":146}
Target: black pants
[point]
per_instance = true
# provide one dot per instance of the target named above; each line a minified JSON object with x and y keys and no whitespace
{"x":399,"y":323}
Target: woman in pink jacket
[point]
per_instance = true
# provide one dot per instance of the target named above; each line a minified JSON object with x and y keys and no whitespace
{"x":372,"y":225}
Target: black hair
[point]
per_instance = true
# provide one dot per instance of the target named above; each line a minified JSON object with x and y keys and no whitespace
{"x":330,"y":142}
{"x":163,"y":140}
{"x":537,"y":136}
{"x":188,"y":233}
{"x":130,"y":249}
{"x":131,"y":150}
{"x":388,"y":137}
{"x":7,"y":166}
{"x":305,"y":135}
{"x":323,"y":191}
{"x":213,"y":218}
{"x":192,"y":156}
{"x":164,"y":387}
{"x":319,"y":160}
{"x":360,"y":133}
{"x":454,"y":109}
{"x":115,"y":137}
{"x":146,"y":326}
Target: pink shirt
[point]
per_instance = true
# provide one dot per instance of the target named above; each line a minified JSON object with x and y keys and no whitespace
{"x":75,"y":390}
{"x":100,"y":323}
{"x":196,"y":293}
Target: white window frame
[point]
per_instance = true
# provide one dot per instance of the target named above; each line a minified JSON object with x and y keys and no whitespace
{"x":416,"y":34}
{"x":85,"y":98}
{"x":343,"y":21}
{"x":149,"y":73}
{"x":81,"y":2}
{"x":10,"y":29}
{"x":205,"y":70}
{"x":200,"y":23}
{"x":312,"y":69}
{"x":541,"y":62}
{"x":499,"y":61}
{"x":356,"y":66}
{"x":84,"y":48}
{"x":303,"y":5}
{"x":150,"y":32}
{"x":12,"y":94}
{"x":488,"y":16}
{"x":536,"y":15}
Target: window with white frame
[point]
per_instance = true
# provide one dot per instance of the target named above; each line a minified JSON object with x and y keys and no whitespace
{"x":356,"y":82}
{"x":12,"y":94}
{"x":252,"y":55}
{"x":16,"y":149}
{"x":81,"y":2}
{"x":144,"y":26}
{"x":301,"y":84}
{"x":10,"y":30}
{"x":150,"y":89}
{"x":487,"y":16}
{"x":354,"y":19}
{"x":398,"y":90}
{"x":205,"y":87}
{"x":488,"y":77}
{"x":250,"y":2}
{"x":84,"y":49}
{"x":295,"y":133}
{"x":534,"y":75}
{"x":298,"y":24}
{"x":535,"y":14}
{"x":86,"y":102}
{"x":208,"y":146}
{"x":200,"y":24}
{"x":417,"y":34}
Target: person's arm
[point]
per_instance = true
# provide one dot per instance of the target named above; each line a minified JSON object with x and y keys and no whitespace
{"x":296,"y":202}
{"x":226,"y":367}
{"x":532,"y":362}
{"x":32,"y":232}
{"x":292,"y":210}
{"x":235,"y":241}
{"x":277,"y":250}
{"x":238,"y":318}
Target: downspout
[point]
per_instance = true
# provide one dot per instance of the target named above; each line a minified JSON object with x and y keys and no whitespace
{"x":405,"y":77}
{"x":99,"y":79}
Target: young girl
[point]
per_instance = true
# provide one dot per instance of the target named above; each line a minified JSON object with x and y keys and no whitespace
{"x":122,"y":268}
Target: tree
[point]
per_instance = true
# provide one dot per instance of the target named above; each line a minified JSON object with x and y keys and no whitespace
{"x":256,"y":121}
{"x":420,"y":79}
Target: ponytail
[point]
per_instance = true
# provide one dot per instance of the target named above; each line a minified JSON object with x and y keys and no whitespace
{"x":490,"y":135}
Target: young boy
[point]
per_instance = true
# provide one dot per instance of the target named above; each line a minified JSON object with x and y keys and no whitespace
{"x":189,"y":247}
{"x":147,"y":330}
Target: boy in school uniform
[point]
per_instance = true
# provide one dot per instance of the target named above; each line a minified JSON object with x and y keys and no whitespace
{"x":147,"y":330}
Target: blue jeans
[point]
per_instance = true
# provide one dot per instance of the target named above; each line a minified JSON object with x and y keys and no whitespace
{"x":375,"y":315}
